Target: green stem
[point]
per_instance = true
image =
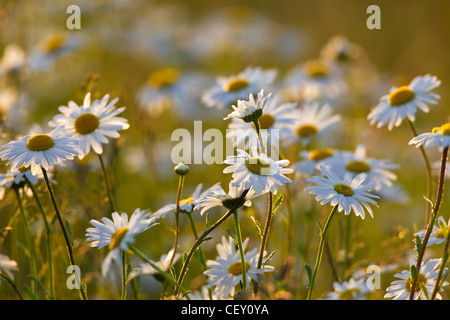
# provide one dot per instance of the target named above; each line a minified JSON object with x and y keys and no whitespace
{"x":49,"y":237}
{"x":241,"y":250}
{"x":320,"y":252}
{"x":28,"y":240}
{"x":124,"y":275}
{"x":4,"y":276}
{"x":62,"y":225}
{"x":258,"y":132}
{"x":166,"y":276}
{"x":177,"y":218}
{"x":433,"y":217}
{"x":107,"y":184}
{"x":239,"y":203}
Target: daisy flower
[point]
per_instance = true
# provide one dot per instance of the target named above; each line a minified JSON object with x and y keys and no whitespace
{"x":403,"y":102}
{"x":91,"y":123}
{"x":348,"y":193}
{"x":439,"y":136}
{"x":438,"y":235}
{"x":250,"y":110}
{"x":275,"y":116}
{"x":340,"y":50}
{"x":186,"y":205}
{"x":8,"y":266}
{"x":18,"y":179}
{"x":311,"y":121}
{"x":349,"y":290}
{"x":400,"y":289}
{"x":313,"y":159}
{"x":163,"y":264}
{"x":377,"y":171}
{"x":316,"y":79}
{"x":117,"y":234}
{"x":225,"y":272}
{"x":257,"y":171}
{"x":219,"y":198}
{"x":237,"y":87}
{"x":13,"y":60}
{"x":40,"y":150}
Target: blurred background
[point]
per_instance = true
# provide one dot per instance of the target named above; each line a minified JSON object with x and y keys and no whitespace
{"x":121,"y":43}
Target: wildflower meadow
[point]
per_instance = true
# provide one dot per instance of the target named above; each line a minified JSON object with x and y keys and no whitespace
{"x":224,"y":150}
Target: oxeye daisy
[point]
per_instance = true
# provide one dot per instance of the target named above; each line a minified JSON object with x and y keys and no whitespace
{"x":313,"y":159}
{"x":251,"y":110}
{"x":439,"y":136}
{"x":348,"y":193}
{"x":349,"y":290}
{"x":91,"y":123}
{"x":311,"y":121}
{"x":437,"y":235}
{"x":237,"y":87}
{"x":219,"y":197}
{"x":378,"y":171}
{"x":403,"y":102}
{"x":316,"y":79}
{"x":18,"y":179}
{"x":40,"y":150}
{"x":225,"y":272}
{"x":117,"y":234}
{"x":8,"y":266}
{"x":275,"y":116}
{"x":258,"y":171}
{"x":400,"y":289}
{"x":186,"y":205}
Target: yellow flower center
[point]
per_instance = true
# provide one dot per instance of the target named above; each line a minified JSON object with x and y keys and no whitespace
{"x":187,"y":201}
{"x":117,"y":237}
{"x":401,"y":96}
{"x":235,"y":85}
{"x":344,"y":189}
{"x":358,"y":166}
{"x":40,"y":142}
{"x":441,"y":234}
{"x":307,"y":130}
{"x":256,"y":166}
{"x":315,"y":68}
{"x":444,"y":129}
{"x":265,"y":121}
{"x":349,"y":294}
{"x":236,"y":268}
{"x":53,"y":42}
{"x":86,"y":123}
{"x":23,"y":169}
{"x":317,"y":155}
{"x":421,"y":280}
{"x":164,"y":77}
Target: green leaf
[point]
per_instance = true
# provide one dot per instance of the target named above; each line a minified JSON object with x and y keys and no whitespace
{"x":429,"y":201}
{"x":414,"y":273}
{"x":269,"y":258}
{"x":258,"y":225}
{"x":308,"y":272}
{"x":277,"y":203}
{"x":232,"y":235}
{"x":84,"y":289}
{"x":39,"y":283}
{"x":69,"y":230}
{"x":418,"y":243}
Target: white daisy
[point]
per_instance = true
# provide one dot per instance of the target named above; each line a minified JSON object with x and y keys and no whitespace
{"x":313,"y":159}
{"x":439,"y":136}
{"x":203,"y":294}
{"x":377,"y":171}
{"x":225,"y":272}
{"x":13,"y":60}
{"x":348,"y":193}
{"x":219,"y":197}
{"x":186,"y":205}
{"x":275,"y":116}
{"x":18,"y":179}
{"x":40,"y":150}
{"x":8,"y":266}
{"x":163,"y":264}
{"x":117,"y":234}
{"x":237,"y":87}
{"x":92,"y":123}
{"x":400,"y":289}
{"x":438,"y":235}
{"x":349,"y":290}
{"x":250,"y":110}
{"x":257,"y":171}
{"x":403,"y":102}
{"x":316,"y":79}
{"x":311,"y":121}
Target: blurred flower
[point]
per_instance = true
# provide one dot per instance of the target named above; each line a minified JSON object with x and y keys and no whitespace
{"x":225,"y":272}
{"x":400,"y":289}
{"x":349,"y":193}
{"x":439,"y":136}
{"x":310,"y":122}
{"x":313,"y":159}
{"x":91,"y":123}
{"x":40,"y":150}
{"x":238,"y":87}
{"x":349,"y":290}
{"x":7,"y":266}
{"x":257,"y":171}
{"x":438,"y":235}
{"x":403,"y":102}
{"x":219,"y":197}
{"x":163,"y":264}
{"x":13,"y":60}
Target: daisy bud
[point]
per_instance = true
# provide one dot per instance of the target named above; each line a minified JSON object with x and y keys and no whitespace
{"x":181,"y":169}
